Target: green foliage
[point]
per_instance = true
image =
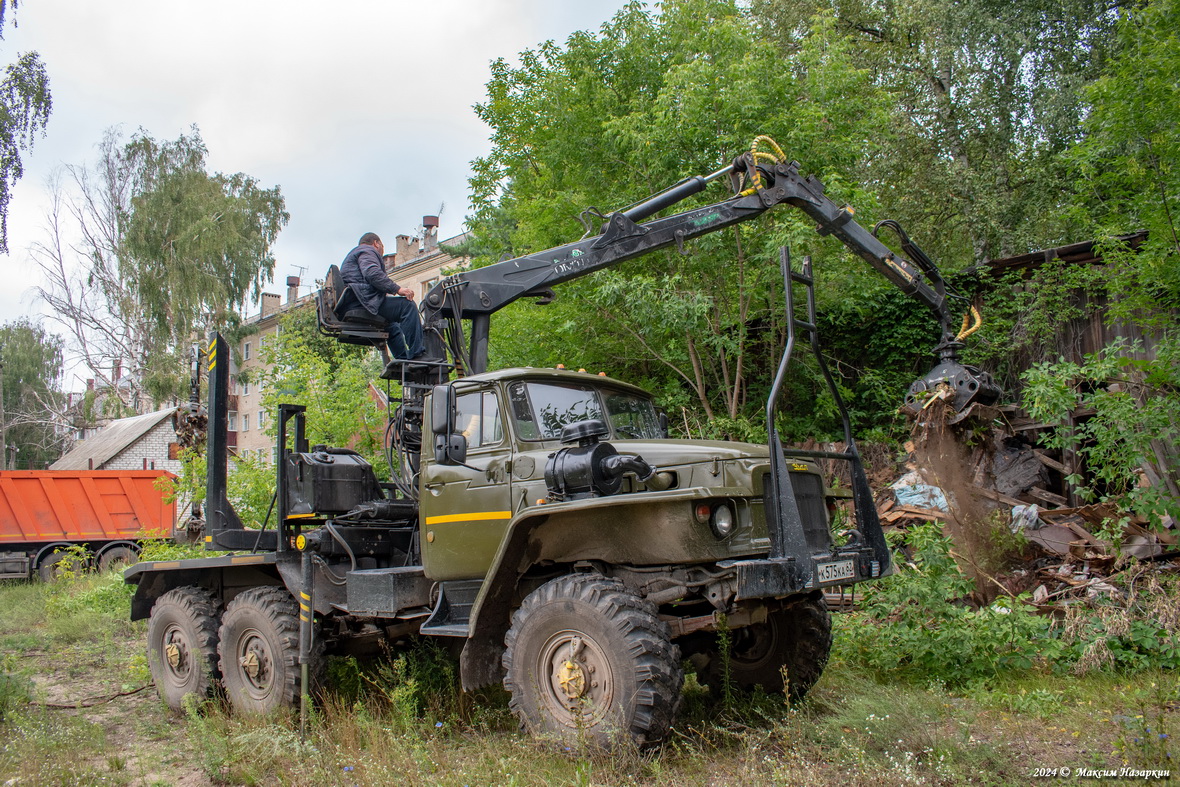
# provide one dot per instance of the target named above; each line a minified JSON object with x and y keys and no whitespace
{"x":72,"y":563}
{"x":420,"y":684}
{"x":165,"y":549}
{"x":1147,"y":731}
{"x":611,"y":117}
{"x":14,"y":688}
{"x":194,"y":242}
{"x":919,"y":625}
{"x":189,"y":486}
{"x":33,"y":401}
{"x":169,"y":251}
{"x":988,"y":97}
{"x":915,"y":624}
{"x":1134,"y":403}
{"x":334,"y":382}
{"x":1028,"y":317}
{"x":250,"y":487}
{"x":1130,"y":163}
{"x":953,"y":118}
{"x":75,"y":591}
{"x":25,"y":104}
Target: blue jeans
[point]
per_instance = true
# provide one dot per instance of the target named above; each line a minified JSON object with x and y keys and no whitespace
{"x":405,"y":328}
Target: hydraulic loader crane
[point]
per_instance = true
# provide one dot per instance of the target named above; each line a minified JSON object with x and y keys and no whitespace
{"x":550,"y":530}
{"x":760,"y":181}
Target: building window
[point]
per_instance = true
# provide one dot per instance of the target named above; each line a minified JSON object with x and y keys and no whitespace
{"x":233,"y":422}
{"x":261,"y":418}
{"x":246,"y":351}
{"x":245,"y":422}
{"x":245,"y":389}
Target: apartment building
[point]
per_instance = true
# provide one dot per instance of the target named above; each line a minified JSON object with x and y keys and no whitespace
{"x":247,"y":417}
{"x":419,"y":261}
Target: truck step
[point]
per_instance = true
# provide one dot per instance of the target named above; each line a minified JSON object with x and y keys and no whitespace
{"x":452,"y":611}
{"x":445,"y":631}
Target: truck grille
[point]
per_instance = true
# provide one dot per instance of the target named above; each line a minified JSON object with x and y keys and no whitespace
{"x":809,"y":499}
{"x":809,"y":496}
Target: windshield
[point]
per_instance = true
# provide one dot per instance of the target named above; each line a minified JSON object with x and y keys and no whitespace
{"x":542,"y":409}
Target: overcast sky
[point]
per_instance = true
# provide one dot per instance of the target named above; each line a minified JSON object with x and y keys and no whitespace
{"x":360,"y":110}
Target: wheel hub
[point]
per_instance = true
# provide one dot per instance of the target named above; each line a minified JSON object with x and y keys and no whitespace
{"x":572,"y":680}
{"x":254,"y":659}
{"x":251,"y":666}
{"x":579,"y":689}
{"x":176,"y":653}
{"x":173,"y":652}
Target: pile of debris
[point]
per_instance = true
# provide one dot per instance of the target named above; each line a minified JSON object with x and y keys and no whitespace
{"x":972,"y":485}
{"x":1003,"y":481}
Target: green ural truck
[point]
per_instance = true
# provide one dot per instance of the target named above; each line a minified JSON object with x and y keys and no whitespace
{"x":541,"y":520}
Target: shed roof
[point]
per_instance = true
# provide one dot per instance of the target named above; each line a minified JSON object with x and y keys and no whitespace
{"x":110,"y":441}
{"x":1084,"y":253}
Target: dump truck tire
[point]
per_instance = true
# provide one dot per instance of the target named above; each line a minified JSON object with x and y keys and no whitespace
{"x":259,"y":651}
{"x":794,"y":640}
{"x":182,"y":645}
{"x":48,"y":569}
{"x":117,"y":556}
{"x":589,"y":661}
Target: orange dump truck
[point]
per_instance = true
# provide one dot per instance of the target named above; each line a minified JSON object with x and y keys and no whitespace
{"x":106,"y":511}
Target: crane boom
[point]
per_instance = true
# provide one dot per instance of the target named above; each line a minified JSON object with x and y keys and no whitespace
{"x":477,"y":294}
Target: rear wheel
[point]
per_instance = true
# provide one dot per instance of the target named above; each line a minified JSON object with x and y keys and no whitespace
{"x":794,"y":640}
{"x":50,"y":567}
{"x":182,"y":644}
{"x":259,"y":650}
{"x":588,"y":660}
{"x":117,"y":557}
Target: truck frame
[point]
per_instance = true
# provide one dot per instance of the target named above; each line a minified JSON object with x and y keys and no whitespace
{"x":541,"y":520}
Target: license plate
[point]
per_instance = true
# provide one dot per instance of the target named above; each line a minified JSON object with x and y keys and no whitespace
{"x":830,"y":572}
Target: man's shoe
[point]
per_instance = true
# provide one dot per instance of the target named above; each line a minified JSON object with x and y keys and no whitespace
{"x":423,"y":358}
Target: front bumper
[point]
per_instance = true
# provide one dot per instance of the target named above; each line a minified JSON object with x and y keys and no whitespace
{"x":778,"y":577}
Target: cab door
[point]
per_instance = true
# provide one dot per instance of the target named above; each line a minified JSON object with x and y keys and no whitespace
{"x":464,"y":511}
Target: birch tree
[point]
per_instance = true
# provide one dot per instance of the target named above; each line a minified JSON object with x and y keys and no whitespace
{"x":25,"y":104}
{"x":144,"y":250}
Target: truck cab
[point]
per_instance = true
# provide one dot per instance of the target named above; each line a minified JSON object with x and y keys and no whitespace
{"x":704,"y":500}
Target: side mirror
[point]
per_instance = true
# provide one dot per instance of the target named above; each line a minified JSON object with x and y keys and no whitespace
{"x":442,"y":410}
{"x":450,"y":449}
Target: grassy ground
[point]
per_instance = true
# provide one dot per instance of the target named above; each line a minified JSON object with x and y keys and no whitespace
{"x":70,"y":644}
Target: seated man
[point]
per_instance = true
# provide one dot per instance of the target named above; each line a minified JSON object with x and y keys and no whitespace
{"x":364,"y":272}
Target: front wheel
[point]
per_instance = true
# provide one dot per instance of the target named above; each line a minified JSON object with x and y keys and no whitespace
{"x":587,"y":659}
{"x":794,"y":641}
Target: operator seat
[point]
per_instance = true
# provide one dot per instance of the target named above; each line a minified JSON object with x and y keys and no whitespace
{"x":352,"y":324}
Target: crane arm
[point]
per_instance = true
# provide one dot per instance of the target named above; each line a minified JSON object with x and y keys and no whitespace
{"x":477,"y":294}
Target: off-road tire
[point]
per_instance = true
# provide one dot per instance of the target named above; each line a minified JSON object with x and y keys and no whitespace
{"x":795,"y":639}
{"x":182,"y":645}
{"x":124,"y":555}
{"x":259,"y":651}
{"x":623,"y":682}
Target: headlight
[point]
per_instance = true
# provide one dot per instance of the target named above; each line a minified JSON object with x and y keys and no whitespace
{"x":722,"y":520}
